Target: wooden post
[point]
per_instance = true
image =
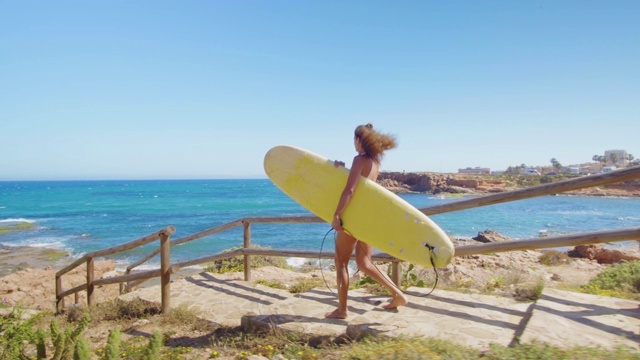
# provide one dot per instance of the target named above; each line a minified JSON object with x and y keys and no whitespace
{"x":395,"y":273}
{"x":59,"y":299}
{"x":90,"y":274}
{"x":123,"y":287}
{"x":247,"y":244}
{"x":165,"y":277}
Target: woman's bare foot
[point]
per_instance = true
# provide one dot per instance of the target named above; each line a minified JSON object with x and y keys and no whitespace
{"x":336,"y":314}
{"x":397,"y":300}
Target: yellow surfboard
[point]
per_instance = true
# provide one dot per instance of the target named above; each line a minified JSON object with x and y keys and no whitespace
{"x":374,"y":215}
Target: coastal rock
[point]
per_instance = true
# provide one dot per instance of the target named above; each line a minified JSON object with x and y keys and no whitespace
{"x":439,"y":183}
{"x":602,"y":255}
{"x":489,"y":236}
{"x":436,"y":183}
{"x":394,"y":186}
{"x":457,"y":190}
{"x":463,"y":183}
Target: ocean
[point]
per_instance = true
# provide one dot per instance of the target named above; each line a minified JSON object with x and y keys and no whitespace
{"x":85,"y":216}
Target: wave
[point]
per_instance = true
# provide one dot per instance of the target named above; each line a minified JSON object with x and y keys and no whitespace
{"x":122,"y":264}
{"x":17,"y":220}
{"x":578,"y":212}
{"x":632,"y":218}
{"x":58,"y":243}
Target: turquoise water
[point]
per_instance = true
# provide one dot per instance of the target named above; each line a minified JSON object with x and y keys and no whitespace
{"x":84,"y":216}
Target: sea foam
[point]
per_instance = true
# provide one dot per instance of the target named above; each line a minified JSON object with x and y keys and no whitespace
{"x":17,"y":220}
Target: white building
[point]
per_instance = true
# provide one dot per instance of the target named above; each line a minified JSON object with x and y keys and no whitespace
{"x":530,"y":171}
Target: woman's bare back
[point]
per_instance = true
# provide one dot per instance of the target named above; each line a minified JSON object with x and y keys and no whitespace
{"x":371,"y":168}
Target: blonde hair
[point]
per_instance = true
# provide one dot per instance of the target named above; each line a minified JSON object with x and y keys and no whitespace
{"x":374,"y":143}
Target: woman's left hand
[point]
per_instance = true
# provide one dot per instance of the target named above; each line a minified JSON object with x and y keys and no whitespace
{"x":337,"y":224}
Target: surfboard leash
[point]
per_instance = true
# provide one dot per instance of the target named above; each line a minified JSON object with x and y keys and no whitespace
{"x":435,"y":269}
{"x":320,"y":260}
{"x":431,"y":251}
{"x":396,"y":286}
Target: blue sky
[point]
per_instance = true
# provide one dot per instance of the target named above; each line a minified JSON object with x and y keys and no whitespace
{"x":203,"y":89}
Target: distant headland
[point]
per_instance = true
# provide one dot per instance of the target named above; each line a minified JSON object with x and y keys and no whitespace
{"x":438,"y":183}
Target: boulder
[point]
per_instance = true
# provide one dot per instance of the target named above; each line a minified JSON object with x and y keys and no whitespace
{"x":602,"y":255}
{"x":489,"y":236}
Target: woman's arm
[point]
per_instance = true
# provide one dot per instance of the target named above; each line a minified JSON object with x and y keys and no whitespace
{"x":347,"y":193}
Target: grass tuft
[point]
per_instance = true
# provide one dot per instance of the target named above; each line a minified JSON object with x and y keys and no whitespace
{"x":236,"y":264}
{"x":554,"y":258}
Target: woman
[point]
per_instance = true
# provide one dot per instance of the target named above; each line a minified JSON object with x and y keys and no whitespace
{"x":370,"y":146}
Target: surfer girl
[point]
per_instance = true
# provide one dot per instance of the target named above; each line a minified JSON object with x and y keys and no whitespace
{"x":370,"y":146}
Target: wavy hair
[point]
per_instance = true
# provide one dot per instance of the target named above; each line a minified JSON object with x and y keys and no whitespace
{"x":374,"y":143}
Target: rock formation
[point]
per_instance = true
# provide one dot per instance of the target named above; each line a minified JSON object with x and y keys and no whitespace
{"x":602,"y":255}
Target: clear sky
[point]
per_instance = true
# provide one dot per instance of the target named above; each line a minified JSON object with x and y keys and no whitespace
{"x":203,"y":89}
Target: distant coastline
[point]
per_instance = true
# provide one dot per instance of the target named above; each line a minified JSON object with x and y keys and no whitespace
{"x":437,"y":183}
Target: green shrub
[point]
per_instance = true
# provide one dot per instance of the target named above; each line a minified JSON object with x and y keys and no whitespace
{"x":153,"y":349}
{"x":16,"y":334}
{"x":271,"y":284}
{"x":82,"y":351}
{"x":546,"y":351}
{"x":391,"y":350}
{"x":112,"y":350}
{"x":304,"y":285}
{"x":410,"y":278}
{"x":619,"y":280}
{"x":432,"y":348}
{"x":529,"y":292}
{"x":41,"y":346}
{"x":236,"y":264}
{"x":115,"y":310}
{"x":66,"y":342}
{"x":371,"y":286}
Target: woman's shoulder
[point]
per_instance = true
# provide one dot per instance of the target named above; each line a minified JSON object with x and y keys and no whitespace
{"x":361,"y":158}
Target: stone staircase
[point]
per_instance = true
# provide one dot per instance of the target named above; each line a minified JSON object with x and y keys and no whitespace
{"x":560,"y":318}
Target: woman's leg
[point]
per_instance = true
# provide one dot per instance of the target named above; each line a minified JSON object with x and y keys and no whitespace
{"x":363,"y":259}
{"x":345,"y":244}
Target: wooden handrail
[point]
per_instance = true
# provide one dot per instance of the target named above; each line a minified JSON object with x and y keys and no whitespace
{"x":90,"y":257}
{"x":185,"y":239}
{"x":228,"y":226}
{"x":116,"y":249}
{"x":597,"y":237}
{"x":73,"y":290}
{"x":631,"y":173}
{"x":146,"y":275}
{"x":283,"y":219}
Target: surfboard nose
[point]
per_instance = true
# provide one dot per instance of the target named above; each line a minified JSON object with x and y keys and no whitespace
{"x":275,"y":156}
{"x":268,"y":162}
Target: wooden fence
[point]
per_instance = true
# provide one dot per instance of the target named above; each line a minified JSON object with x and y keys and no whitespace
{"x":130,"y":280}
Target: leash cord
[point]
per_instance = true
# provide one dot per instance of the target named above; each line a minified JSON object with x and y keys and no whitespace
{"x":320,"y":260}
{"x":431,"y":248}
